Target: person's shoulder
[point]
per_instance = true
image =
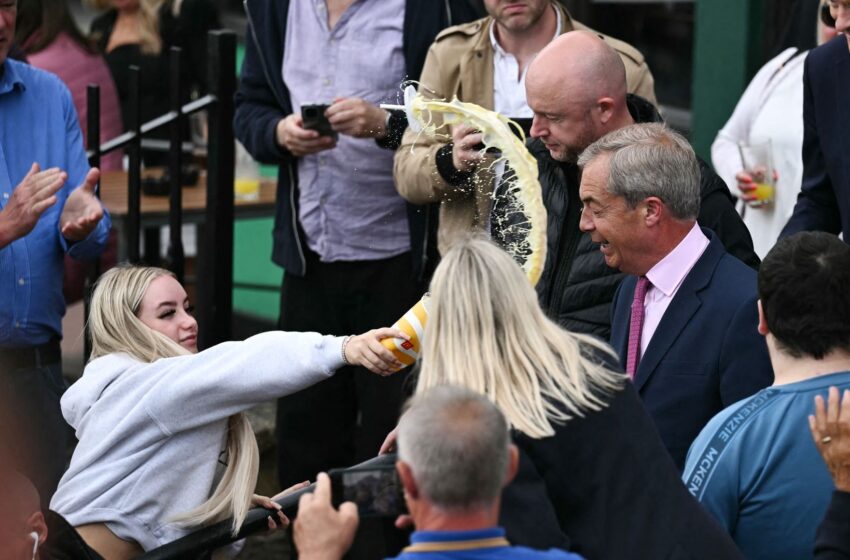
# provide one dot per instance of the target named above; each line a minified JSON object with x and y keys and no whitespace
{"x":461,"y":33}
{"x":724,"y":429}
{"x":36,"y":78}
{"x":829,"y":53}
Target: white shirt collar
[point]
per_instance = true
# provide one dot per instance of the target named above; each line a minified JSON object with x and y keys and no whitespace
{"x":498,"y":48}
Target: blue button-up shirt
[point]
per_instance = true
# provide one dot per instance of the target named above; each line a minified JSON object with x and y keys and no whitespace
{"x":348,"y":206}
{"x":38,"y":123}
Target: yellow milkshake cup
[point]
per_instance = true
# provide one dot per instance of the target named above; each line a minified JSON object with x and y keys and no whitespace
{"x":412,"y":324}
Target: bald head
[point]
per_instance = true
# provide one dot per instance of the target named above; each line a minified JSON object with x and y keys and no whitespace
{"x":581,"y":65}
{"x":576,"y":88}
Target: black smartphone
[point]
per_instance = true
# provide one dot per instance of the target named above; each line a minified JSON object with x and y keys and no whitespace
{"x":313,"y":118}
{"x":377,"y":491}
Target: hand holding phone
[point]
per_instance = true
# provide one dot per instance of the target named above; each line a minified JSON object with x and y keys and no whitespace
{"x":291,"y":135}
{"x":377,"y":491}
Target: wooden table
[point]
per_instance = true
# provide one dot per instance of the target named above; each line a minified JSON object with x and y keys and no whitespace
{"x":113,"y":193}
{"x":154,"y":209}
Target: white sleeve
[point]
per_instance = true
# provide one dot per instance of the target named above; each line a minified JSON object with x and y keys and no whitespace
{"x":231,"y":377}
{"x":724,"y":151}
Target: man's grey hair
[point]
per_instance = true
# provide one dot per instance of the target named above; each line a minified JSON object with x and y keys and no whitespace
{"x":650,"y":160}
{"x":456,"y":443}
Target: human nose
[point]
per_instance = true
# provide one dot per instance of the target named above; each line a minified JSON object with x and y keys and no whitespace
{"x":537,"y":130}
{"x":188,"y":322}
{"x":585,"y":221}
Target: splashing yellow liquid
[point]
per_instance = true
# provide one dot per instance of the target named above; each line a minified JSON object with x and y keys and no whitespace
{"x":523,"y":185}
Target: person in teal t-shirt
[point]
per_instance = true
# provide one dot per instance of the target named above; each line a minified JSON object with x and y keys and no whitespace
{"x":754,"y":466}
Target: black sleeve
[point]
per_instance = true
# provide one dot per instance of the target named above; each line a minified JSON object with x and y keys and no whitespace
{"x":817,"y":207}
{"x":833,"y":537}
{"x":527,"y":513}
{"x":396,"y":126}
{"x":256,"y":111}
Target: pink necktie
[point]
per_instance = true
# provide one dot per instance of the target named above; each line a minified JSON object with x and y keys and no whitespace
{"x":636,"y":326}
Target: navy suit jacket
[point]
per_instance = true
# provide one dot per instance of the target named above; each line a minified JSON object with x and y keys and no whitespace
{"x":824,"y":200}
{"x":706,"y":352}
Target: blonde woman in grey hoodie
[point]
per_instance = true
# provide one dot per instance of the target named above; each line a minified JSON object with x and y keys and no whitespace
{"x":158,"y":421}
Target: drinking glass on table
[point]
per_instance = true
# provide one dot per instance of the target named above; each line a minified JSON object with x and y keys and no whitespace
{"x":758,"y":165}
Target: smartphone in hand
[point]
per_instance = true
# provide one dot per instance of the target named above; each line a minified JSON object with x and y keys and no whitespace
{"x":377,"y":491}
{"x":313,"y":118}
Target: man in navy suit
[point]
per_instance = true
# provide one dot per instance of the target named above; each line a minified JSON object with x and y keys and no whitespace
{"x":824,"y":200}
{"x":684,"y":323}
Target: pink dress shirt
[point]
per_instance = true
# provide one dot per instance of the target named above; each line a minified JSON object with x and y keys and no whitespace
{"x":665,"y":279}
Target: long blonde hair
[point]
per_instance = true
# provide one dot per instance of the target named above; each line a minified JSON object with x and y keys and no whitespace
{"x":115,"y":327}
{"x":486,"y":332}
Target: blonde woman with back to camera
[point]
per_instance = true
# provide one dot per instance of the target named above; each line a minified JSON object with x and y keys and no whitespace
{"x":594,"y":476}
{"x":164,"y":445}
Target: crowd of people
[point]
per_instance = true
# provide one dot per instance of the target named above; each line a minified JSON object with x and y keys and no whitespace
{"x":676,"y":385}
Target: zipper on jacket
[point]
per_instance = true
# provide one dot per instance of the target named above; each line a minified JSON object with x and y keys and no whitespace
{"x":292,"y":183}
{"x":561,"y":274}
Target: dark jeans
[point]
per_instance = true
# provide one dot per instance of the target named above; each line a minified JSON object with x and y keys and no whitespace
{"x":35,"y":435}
{"x":343,"y":420}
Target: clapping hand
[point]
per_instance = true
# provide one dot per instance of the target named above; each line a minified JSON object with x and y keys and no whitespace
{"x":82,"y":210}
{"x":366,"y":350}
{"x":830,"y":426}
{"x":33,"y":195}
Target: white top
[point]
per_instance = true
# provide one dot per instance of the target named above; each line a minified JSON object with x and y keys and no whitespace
{"x":151,"y":433}
{"x":508,"y":83}
{"x":771,"y":108}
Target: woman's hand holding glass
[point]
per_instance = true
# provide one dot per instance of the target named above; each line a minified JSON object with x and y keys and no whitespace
{"x":366,"y":350}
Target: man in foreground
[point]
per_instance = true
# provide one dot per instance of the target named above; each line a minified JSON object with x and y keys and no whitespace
{"x":455,"y":456}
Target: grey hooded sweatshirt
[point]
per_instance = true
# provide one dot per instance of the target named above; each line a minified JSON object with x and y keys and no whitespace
{"x":151,"y":434}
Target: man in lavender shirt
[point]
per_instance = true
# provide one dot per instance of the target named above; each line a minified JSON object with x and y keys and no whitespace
{"x":355,"y":253}
{"x":684,"y":323}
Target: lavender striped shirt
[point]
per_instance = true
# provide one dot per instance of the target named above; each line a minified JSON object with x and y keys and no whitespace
{"x":348,"y":204}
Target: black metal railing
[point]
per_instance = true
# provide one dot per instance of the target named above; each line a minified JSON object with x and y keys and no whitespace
{"x":215,"y":279}
{"x":212,"y":537}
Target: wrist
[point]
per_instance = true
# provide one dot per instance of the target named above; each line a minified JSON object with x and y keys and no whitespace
{"x":343,"y":349}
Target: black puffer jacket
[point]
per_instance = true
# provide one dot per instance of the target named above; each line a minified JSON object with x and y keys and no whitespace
{"x":577,"y":287}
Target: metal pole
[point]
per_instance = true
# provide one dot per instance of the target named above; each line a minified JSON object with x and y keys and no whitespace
{"x":215,"y":301}
{"x":134,"y":173}
{"x":93,"y":144}
{"x":175,"y":210}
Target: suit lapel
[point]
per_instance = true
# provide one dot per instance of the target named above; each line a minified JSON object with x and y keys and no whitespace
{"x":685,"y":304}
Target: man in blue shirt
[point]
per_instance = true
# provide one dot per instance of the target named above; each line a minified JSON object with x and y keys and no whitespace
{"x":754,"y":466}
{"x":48,"y":208}
{"x":455,"y":456}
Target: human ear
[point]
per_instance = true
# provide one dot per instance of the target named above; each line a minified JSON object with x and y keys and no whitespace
{"x":653,"y":208}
